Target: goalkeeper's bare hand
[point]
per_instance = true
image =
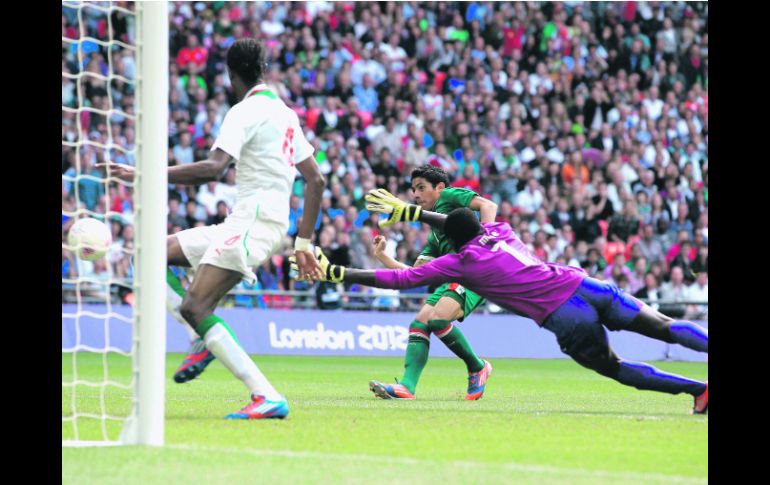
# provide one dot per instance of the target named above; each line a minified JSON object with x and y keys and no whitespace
{"x":379,"y":246}
{"x":118,"y":170}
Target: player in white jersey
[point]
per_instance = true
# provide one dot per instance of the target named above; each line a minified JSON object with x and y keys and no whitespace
{"x":264,"y":138}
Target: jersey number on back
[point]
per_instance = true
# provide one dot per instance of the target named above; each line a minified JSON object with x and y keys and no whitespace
{"x":288,"y":145}
{"x":522,"y":255}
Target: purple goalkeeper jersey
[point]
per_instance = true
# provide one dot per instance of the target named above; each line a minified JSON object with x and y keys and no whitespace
{"x":499,"y":267}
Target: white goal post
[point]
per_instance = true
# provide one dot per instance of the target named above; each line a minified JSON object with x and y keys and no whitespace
{"x":144,"y":423}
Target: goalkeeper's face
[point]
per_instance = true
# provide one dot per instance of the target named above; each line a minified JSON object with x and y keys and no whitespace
{"x":425,"y":194}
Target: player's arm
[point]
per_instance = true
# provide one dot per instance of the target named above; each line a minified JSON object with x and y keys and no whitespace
{"x":211,"y":169}
{"x":382,"y":257}
{"x":487,"y":209}
{"x":314,"y":187}
{"x":201,"y":172}
{"x":440,"y":270}
{"x":445,"y":269}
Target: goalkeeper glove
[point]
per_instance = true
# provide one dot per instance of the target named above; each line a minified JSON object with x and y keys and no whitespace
{"x":380,"y":200}
{"x":332,"y":272}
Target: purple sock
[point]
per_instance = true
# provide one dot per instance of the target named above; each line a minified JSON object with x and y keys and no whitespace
{"x":691,"y":335}
{"x":646,"y":377}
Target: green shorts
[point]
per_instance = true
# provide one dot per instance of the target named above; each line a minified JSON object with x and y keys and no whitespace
{"x":467,"y":299}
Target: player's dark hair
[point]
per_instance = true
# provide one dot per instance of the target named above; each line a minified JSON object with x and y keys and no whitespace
{"x":432,"y":174}
{"x":246,"y":57}
{"x":461,"y":226}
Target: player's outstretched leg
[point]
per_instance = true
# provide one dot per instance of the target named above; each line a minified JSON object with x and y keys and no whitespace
{"x":478,"y":369}
{"x":415,"y":359}
{"x":209,"y":286}
{"x":198,"y":356}
{"x":654,"y":324}
{"x":588,"y":346}
{"x":417,"y":349}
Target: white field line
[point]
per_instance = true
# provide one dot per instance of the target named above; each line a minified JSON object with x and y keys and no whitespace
{"x":390,"y":460}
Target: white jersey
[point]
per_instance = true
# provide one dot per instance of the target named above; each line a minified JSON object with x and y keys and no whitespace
{"x":266,"y":139}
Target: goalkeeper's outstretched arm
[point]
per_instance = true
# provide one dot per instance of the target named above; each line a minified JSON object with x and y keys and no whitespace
{"x":433,"y":218}
{"x":445,"y":269}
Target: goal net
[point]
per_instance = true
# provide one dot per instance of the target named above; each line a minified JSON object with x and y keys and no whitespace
{"x":114,"y":110}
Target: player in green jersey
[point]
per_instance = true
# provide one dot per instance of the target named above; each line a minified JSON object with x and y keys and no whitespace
{"x":449,"y":301}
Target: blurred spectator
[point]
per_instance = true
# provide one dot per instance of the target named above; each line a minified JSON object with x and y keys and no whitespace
{"x":618,"y":267}
{"x":701,"y":262}
{"x":183,"y":151}
{"x":89,"y":188}
{"x":682,"y":222}
{"x":194,"y":213}
{"x":469,"y":180}
{"x":625,"y":224}
{"x":650,"y":247}
{"x":192,"y":55}
{"x":595,"y":263}
{"x":699,"y":292}
{"x":639,"y":270}
{"x":650,"y":292}
{"x":174,"y":217}
{"x":209,"y":195}
{"x":530,"y":199}
{"x":220,"y":215}
{"x":540,"y":223}
{"x":675,"y":290}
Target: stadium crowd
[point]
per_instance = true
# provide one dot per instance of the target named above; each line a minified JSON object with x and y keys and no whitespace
{"x":586,"y":122}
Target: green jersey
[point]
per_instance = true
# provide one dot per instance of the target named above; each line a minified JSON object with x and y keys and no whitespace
{"x":450,"y":199}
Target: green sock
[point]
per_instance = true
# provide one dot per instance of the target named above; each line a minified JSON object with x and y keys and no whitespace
{"x":416,"y":354}
{"x":209,"y":321}
{"x":174,"y":283}
{"x":454,"y":339}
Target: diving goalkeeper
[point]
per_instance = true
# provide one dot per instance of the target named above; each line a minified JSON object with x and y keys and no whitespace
{"x":493,"y":262}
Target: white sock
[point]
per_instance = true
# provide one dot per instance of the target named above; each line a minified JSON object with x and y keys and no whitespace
{"x":226,"y":349}
{"x":173,"y":304}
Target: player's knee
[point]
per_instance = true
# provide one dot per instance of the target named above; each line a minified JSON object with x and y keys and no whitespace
{"x":440,"y":327}
{"x":192,"y":311}
{"x":606,"y":365}
{"x":426,"y":314}
{"x":653,"y":324}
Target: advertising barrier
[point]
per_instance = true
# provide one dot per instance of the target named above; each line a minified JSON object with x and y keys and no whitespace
{"x":339,"y":332}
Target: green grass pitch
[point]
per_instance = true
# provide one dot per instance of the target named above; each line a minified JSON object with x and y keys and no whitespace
{"x":540,"y":421}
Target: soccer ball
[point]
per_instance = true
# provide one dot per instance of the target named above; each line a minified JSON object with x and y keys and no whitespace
{"x":90,"y":239}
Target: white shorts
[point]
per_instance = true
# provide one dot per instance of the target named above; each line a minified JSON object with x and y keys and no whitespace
{"x":242,"y":242}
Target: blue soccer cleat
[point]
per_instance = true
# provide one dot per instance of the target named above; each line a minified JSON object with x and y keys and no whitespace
{"x":196,"y":361}
{"x":477,"y":381}
{"x":261,"y":408}
{"x":390,"y":391}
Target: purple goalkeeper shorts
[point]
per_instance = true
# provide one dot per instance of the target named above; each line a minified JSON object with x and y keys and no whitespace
{"x":579,"y":322}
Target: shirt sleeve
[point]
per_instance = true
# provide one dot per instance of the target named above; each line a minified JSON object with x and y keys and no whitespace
{"x":447,"y":268}
{"x":232,"y":134}
{"x":302,"y":148}
{"x":458,"y":196}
